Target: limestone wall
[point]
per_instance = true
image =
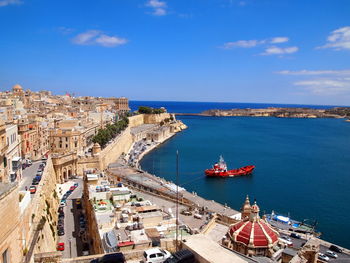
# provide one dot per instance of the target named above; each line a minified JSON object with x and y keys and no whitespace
{"x":44,"y":214}
{"x":10,"y":225}
{"x":136,"y":120}
{"x":120,"y":145}
{"x":155,"y":118}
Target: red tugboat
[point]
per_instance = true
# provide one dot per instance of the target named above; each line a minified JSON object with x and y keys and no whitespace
{"x":220,"y":170}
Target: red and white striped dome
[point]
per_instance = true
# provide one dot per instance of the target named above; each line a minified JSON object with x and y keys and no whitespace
{"x":253,"y":232}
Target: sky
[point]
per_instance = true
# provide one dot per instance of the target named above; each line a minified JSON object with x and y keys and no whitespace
{"x":268,"y":51}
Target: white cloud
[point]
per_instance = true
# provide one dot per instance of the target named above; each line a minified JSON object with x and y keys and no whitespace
{"x":254,"y":42}
{"x":322,"y":82}
{"x":279,"y":50}
{"x":277,"y":40}
{"x":339,"y":39}
{"x":96,"y":37}
{"x":326,"y":86}
{"x":304,"y":72}
{"x":10,"y":2}
{"x":241,"y":43}
{"x":110,"y":41}
{"x":159,"y":7}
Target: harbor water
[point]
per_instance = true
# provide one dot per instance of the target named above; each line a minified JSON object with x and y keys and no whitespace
{"x":302,"y":165}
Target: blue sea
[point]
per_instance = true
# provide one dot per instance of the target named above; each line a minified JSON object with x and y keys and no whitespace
{"x":302,"y":165}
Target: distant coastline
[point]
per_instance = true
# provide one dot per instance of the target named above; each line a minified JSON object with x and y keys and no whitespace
{"x":279,"y":112}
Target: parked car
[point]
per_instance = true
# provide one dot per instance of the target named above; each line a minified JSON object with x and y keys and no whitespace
{"x":285,"y":241}
{"x":181,"y":256}
{"x":78,"y":201}
{"x":63,"y":203}
{"x":71,"y":188}
{"x":198,"y":216}
{"x":32,"y":189}
{"x":60,"y":210}
{"x":331,"y":254}
{"x":110,"y":258}
{"x":286,"y":238}
{"x":323,"y":257}
{"x":336,"y":249}
{"x":35,"y":182}
{"x":295,"y":235}
{"x":61,"y":215}
{"x":60,"y":232}
{"x":76,"y":185}
{"x":60,"y":246}
{"x":155,"y":255}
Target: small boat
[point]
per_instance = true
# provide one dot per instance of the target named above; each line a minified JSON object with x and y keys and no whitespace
{"x":220,"y":170}
{"x":286,"y":223}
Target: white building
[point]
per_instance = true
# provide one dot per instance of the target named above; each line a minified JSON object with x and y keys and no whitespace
{"x":13,"y":154}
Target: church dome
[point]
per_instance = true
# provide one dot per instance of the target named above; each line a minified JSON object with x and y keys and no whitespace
{"x":17,"y":87}
{"x":253,"y":232}
{"x":258,"y":234}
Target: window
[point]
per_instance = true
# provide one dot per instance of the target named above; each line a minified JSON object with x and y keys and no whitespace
{"x":66,"y":145}
{"x":5,"y":258}
{"x":75,"y":144}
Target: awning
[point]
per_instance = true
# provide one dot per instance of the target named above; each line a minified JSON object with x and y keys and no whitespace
{"x":16,"y":159}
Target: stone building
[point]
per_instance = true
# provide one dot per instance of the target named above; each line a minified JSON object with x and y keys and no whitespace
{"x":3,"y":150}
{"x":10,"y":242}
{"x":121,"y":105}
{"x":13,"y":153}
{"x":252,"y":235}
{"x":29,"y":139}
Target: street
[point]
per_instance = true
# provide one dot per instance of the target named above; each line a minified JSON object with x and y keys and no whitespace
{"x":28,"y":175}
{"x":71,"y":239}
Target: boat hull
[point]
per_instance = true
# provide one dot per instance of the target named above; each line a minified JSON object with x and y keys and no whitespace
{"x":230,"y":173}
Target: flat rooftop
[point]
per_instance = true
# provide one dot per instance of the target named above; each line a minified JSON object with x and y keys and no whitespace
{"x":210,"y":251}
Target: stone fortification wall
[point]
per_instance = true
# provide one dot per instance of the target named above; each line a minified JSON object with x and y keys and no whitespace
{"x":136,"y":120}
{"x":43,"y":215}
{"x":84,"y":163}
{"x":155,"y":118}
{"x":112,"y":152}
{"x":124,"y":141}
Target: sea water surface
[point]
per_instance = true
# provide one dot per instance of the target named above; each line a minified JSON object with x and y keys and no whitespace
{"x":302,"y":165}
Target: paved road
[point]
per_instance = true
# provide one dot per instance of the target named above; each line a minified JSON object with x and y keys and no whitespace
{"x":71,"y":222}
{"x":342,"y":258}
{"x":27,"y":176}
